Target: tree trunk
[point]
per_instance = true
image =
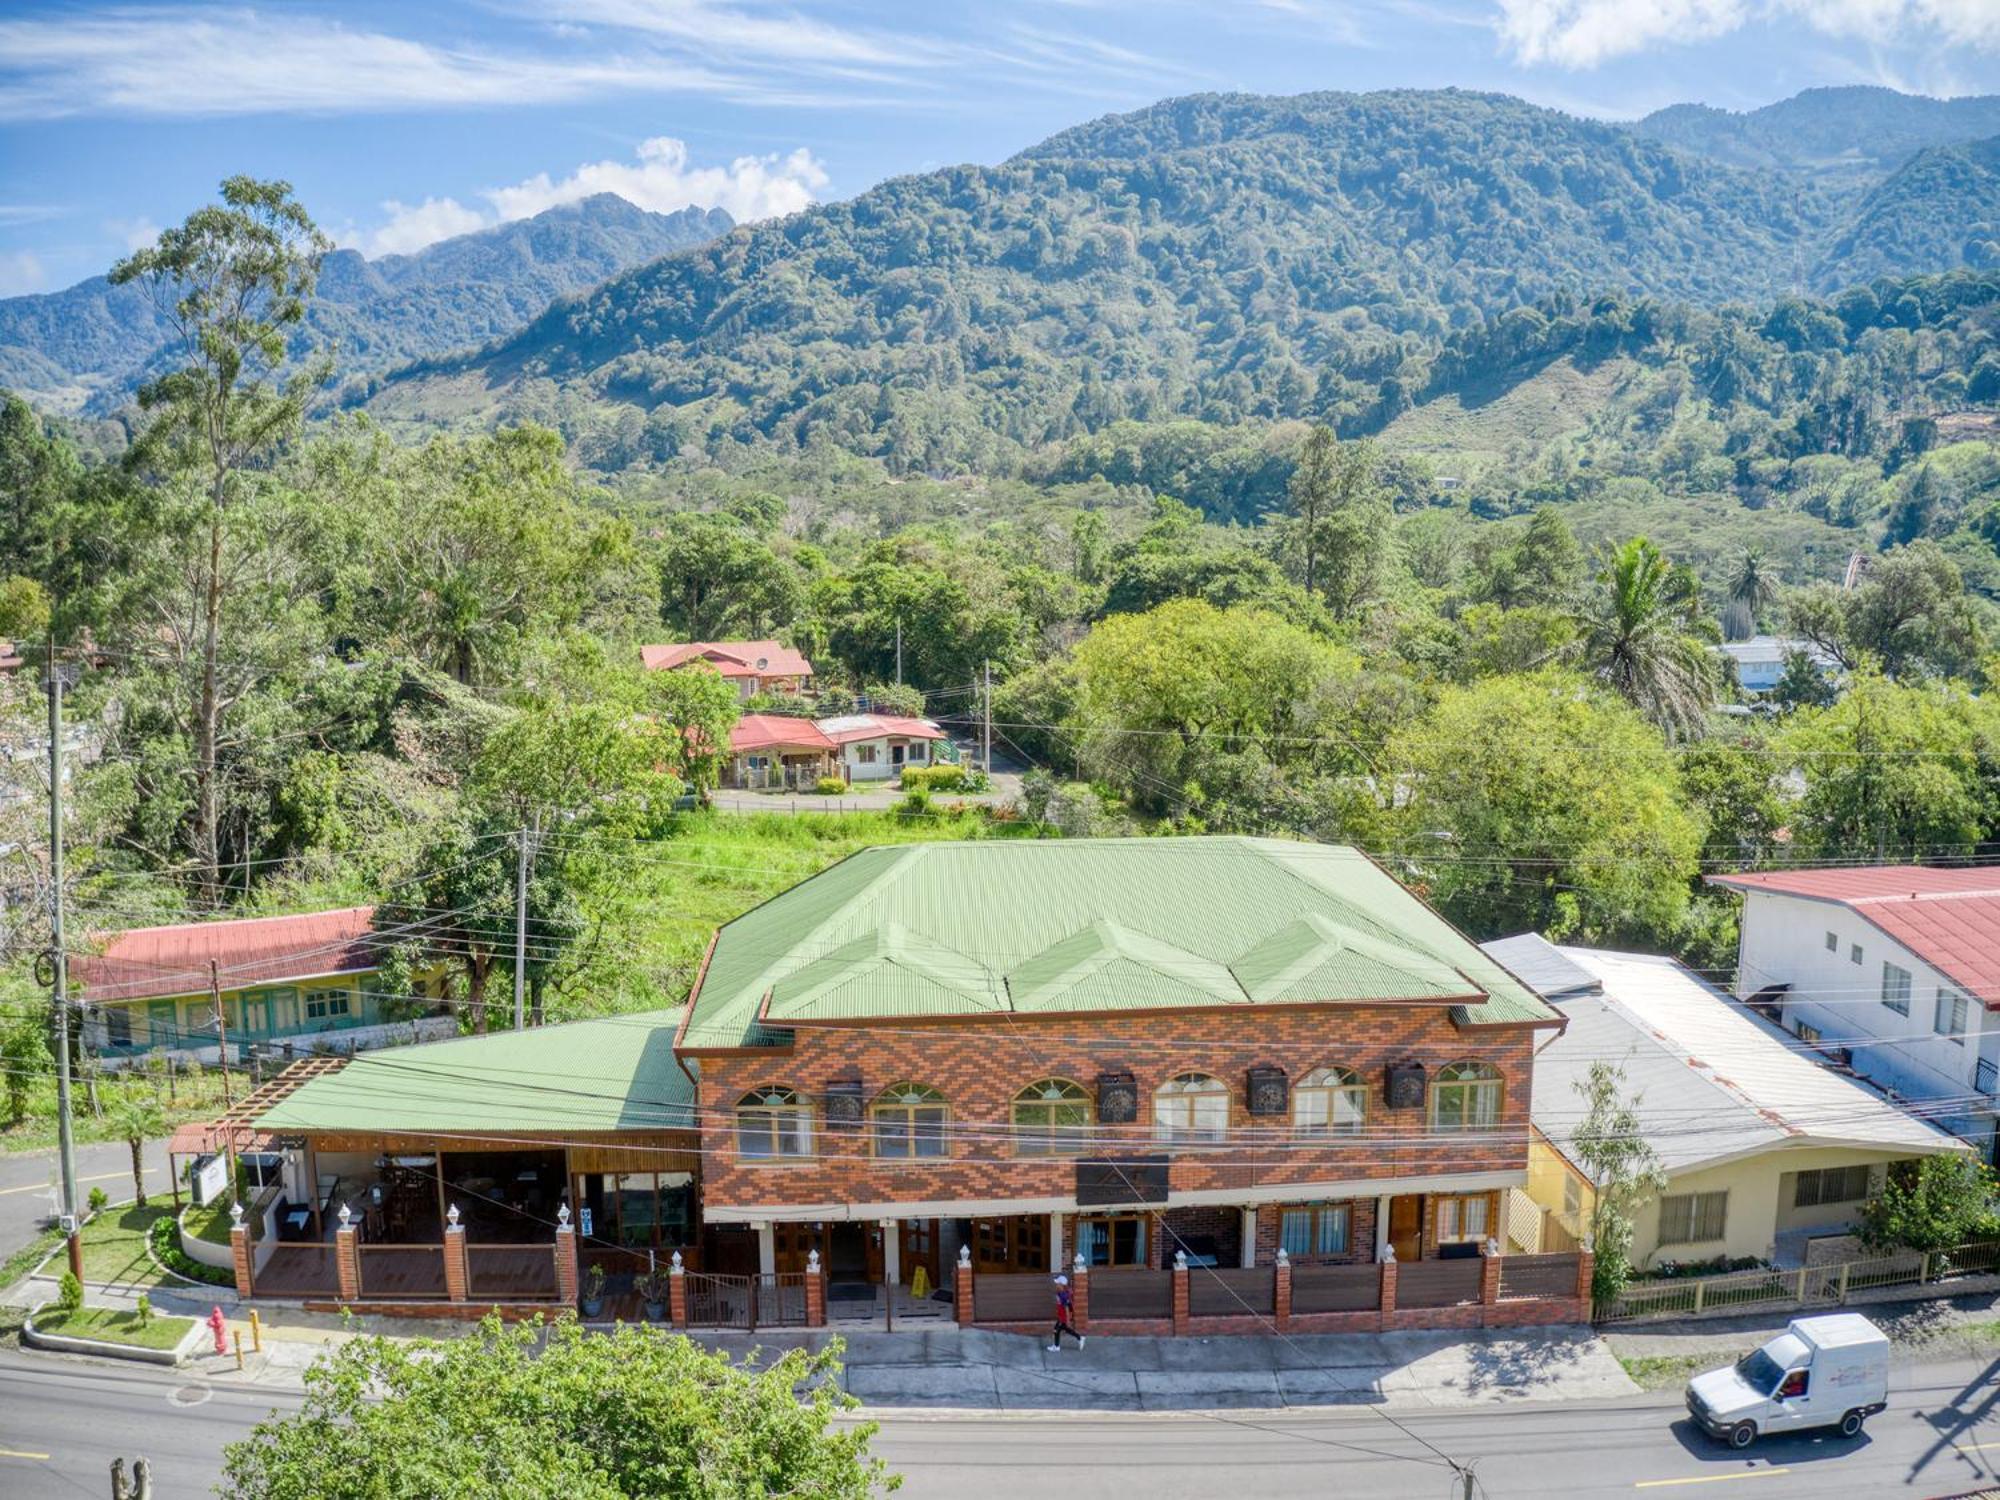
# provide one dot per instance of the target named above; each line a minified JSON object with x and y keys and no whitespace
{"x":138,"y":1145}
{"x":475,"y":993}
{"x":207,"y":801}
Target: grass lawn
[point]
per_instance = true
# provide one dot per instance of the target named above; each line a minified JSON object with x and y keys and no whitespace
{"x":115,"y":1325}
{"x":114,"y":1246}
{"x":1659,"y":1372}
{"x":212,"y":1223}
{"x":190,"y":1099}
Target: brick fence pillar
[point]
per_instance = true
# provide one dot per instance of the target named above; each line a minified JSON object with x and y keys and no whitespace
{"x":815,"y":1292}
{"x":455,"y":1279}
{"x":961,"y":1286}
{"x":1388,"y":1293}
{"x":1281,"y":1290}
{"x":677,"y":1292}
{"x":1586,"y":1273}
{"x":1180,"y":1292}
{"x":241,"y":1251}
{"x":347,"y":1260}
{"x":567,"y":1286}
{"x":1489,"y":1279}
{"x":1079,"y":1294}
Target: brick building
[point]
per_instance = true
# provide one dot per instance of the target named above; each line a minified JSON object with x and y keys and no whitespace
{"x":1122,"y":1049}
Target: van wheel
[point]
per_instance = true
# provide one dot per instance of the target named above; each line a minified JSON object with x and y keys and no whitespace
{"x":1850,"y":1425}
{"x":1743,"y":1434}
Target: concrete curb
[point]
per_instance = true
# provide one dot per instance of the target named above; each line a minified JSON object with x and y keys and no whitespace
{"x":59,"y":1343}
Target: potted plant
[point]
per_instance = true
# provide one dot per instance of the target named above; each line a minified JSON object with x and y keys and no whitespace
{"x":593,"y":1291}
{"x":654,"y":1287}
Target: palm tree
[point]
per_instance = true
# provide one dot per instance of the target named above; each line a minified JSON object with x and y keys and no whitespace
{"x":135,"y":1116}
{"x":1753,"y":586}
{"x":1645,"y":635}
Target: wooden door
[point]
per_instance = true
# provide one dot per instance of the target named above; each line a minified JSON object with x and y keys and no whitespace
{"x":919,"y":1247}
{"x":1018,"y":1243}
{"x":1406,"y":1227}
{"x":795,"y":1242}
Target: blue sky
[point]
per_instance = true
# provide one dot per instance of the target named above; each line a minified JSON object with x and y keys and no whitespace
{"x":401,"y":123}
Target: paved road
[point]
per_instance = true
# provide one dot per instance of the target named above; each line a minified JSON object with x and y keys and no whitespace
{"x":1940,"y":1436}
{"x":27,"y":1197}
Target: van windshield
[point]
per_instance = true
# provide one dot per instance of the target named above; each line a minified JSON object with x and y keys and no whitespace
{"x":1760,"y":1372}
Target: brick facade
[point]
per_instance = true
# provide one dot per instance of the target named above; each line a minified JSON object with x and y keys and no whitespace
{"x":979,"y":1067}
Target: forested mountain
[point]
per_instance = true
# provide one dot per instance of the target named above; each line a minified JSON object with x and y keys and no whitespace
{"x":1225,"y":258}
{"x":1940,"y":208}
{"x":1855,"y":132}
{"x":86,"y":348}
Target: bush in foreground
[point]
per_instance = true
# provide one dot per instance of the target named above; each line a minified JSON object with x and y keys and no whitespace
{"x":504,"y":1411}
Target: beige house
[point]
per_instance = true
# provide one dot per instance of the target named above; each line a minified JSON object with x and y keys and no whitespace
{"x":1765,"y":1148}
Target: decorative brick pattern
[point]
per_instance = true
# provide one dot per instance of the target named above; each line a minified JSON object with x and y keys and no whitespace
{"x":962,"y":1293}
{"x":677,"y":1297}
{"x":979,"y":1067}
{"x":1386,"y":1304}
{"x":454,"y":1263}
{"x":1180,"y":1299}
{"x":566,"y":1268}
{"x":347,"y":1262}
{"x":1079,"y":1290}
{"x":1281,"y":1296}
{"x":239,"y":1257}
{"x":816,"y":1299}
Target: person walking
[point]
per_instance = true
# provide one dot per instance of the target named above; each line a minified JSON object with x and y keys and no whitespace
{"x":1065,"y":1324}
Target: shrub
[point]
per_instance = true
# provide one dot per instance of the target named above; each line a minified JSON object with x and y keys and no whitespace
{"x":165,"y":1239}
{"x":830,"y":786}
{"x":1944,"y":1201}
{"x":144,"y":1309}
{"x":98,"y":1200}
{"x":917,"y":804}
{"x":69,"y":1292}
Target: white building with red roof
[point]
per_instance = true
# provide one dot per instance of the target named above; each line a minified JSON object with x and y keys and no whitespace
{"x":778,"y":751}
{"x":754,"y":666}
{"x":1895,"y":967}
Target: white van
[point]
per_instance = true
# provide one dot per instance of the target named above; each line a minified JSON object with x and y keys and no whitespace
{"x":1830,"y":1371}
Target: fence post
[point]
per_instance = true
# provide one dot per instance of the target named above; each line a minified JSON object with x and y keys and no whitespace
{"x":1180,"y":1292}
{"x":1700,"y":1292}
{"x":1924,"y":1269}
{"x":1800,"y":1297}
{"x":566,"y":1277}
{"x":677,"y":1292}
{"x":1845,"y":1267}
{"x":1586,"y":1274}
{"x":815,"y":1291}
{"x":1489,"y":1278}
{"x":455,"y":1267}
{"x":347,"y":1257}
{"x":1386,"y":1297}
{"x":961,"y":1286}
{"x":239,"y":1249}
{"x":1079,"y":1294}
{"x":1281,"y":1290}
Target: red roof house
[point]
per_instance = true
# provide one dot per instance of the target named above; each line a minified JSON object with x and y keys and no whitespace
{"x":148,"y":962}
{"x":758,"y":666}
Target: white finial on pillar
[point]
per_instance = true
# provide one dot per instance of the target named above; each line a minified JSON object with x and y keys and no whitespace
{"x":346,"y":1217}
{"x":965,"y":1255}
{"x":812,"y":1262}
{"x":1388,"y":1255}
{"x":236,"y":1215}
{"x":562,"y":1218}
{"x":1492,"y":1245}
{"x":675,"y":1267}
{"x":1180,"y":1260}
{"x":1284,"y":1256}
{"x":1080,"y":1265}
{"x":451,"y":1215}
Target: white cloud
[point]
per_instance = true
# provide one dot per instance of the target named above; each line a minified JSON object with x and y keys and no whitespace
{"x":21,"y":271}
{"x":209,"y":61}
{"x":133,"y":234}
{"x":661,"y":179}
{"x":1584,"y":33}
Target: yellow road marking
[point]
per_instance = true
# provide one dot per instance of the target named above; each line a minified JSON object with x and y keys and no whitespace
{"x":1974,"y":1447}
{"x":1654,"y":1484}
{"x":44,"y":1187}
{"x":16,"y":1453}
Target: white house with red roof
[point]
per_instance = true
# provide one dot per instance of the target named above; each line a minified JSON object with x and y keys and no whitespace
{"x":754,"y":666}
{"x":1896,"y":967}
{"x":875,"y":747}
{"x":777,"y":751}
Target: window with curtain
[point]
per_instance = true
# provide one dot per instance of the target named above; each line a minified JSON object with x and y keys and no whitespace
{"x":1193,"y":1107}
{"x":773,"y":1124}
{"x":1466,"y":1096}
{"x":1052,"y":1118}
{"x":1314,"y":1229}
{"x":1462,"y":1218}
{"x":909,"y":1123}
{"x":1693,"y":1218}
{"x":1330,"y":1101}
{"x":1114,"y":1240}
{"x":1830,"y":1185}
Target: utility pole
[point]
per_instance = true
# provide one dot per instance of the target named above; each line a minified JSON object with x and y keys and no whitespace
{"x":986,"y":721}
{"x":222,"y":1059}
{"x":521,"y":923}
{"x":899,"y":652}
{"x":59,"y":966}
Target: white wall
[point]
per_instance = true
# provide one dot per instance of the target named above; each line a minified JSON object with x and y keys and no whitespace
{"x":1784,"y":941}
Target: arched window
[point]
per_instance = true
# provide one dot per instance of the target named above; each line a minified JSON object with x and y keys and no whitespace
{"x":1192,"y":1107}
{"x":773,"y":1124}
{"x":1330,"y":1101}
{"x":909,"y":1122}
{"x":1465,"y":1096}
{"x":1052,"y":1118}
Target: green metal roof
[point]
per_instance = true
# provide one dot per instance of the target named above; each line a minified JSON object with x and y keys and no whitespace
{"x":618,"y":1073}
{"x":1059,"y":926}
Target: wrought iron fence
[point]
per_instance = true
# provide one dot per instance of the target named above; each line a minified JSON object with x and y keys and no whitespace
{"x":746,"y":1302}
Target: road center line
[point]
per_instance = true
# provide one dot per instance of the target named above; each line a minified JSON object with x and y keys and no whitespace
{"x":43,"y":1187}
{"x":1654,"y":1484}
{"x":17,"y":1453}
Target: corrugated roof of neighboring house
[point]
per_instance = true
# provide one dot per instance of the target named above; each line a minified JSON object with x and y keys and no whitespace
{"x":1774,"y":649}
{"x":153,"y":962}
{"x":1543,"y":967}
{"x":1949,"y":918}
{"x":765,"y":731}
{"x":617,"y":1073}
{"x":730,"y":658}
{"x":1713,"y":1080}
{"x":1091,"y":925}
{"x":846,"y":728}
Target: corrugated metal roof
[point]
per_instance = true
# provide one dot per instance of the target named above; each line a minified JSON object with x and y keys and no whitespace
{"x":618,"y":1073}
{"x":1949,"y":918}
{"x":730,"y":658}
{"x":1712,"y":1079}
{"x":146,"y":962}
{"x":766,"y":731}
{"x":1091,"y":925}
{"x":1541,"y":966}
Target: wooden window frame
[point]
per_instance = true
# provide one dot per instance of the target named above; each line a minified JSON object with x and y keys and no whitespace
{"x":1043,"y":1135}
{"x":1330,"y":1085}
{"x":770,"y":1111}
{"x":1200,"y":1092}
{"x":1454,"y":1206}
{"x":901,"y":1104}
{"x":1318,"y":1217}
{"x":1467,"y":1090}
{"x":1697,"y":1214}
{"x":1090,"y":1226}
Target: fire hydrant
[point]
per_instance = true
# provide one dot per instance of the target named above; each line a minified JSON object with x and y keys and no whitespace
{"x":219,"y":1328}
